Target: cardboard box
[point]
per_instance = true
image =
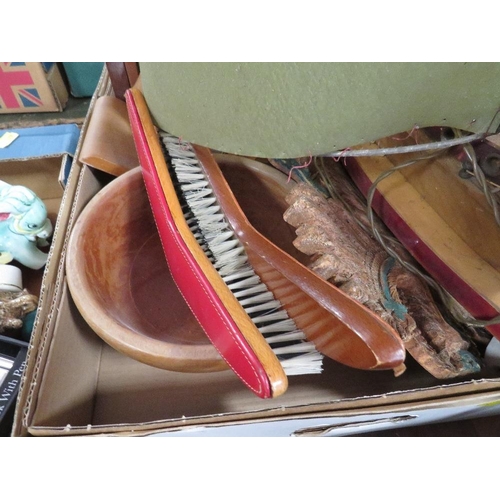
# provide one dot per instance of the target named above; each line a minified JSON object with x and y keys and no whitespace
{"x":83,"y":77}
{"x":38,"y":159}
{"x":43,"y":176}
{"x":75,"y":384}
{"x":31,"y":87}
{"x":51,"y":141}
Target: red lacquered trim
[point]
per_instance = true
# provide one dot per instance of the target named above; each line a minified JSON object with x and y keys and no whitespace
{"x":189,"y":277}
{"x":465,"y":295}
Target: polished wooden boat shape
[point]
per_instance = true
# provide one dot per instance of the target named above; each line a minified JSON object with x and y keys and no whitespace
{"x":443,"y":220}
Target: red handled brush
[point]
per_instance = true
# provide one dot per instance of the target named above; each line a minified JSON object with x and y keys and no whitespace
{"x":267,"y":314}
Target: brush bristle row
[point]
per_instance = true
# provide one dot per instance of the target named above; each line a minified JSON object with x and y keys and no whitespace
{"x":214,"y":235}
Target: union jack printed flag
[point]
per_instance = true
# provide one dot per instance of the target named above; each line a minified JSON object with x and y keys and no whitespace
{"x":17,"y":88}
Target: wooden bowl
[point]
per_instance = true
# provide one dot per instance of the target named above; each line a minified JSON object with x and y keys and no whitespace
{"x":122,"y":286}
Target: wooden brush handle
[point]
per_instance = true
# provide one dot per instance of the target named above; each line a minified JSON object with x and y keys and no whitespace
{"x":219,"y":313}
{"x":349,"y":332}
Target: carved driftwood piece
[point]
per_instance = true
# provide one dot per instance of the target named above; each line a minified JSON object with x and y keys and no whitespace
{"x":343,"y":252}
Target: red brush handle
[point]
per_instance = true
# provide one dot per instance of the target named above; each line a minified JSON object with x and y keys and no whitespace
{"x":196,"y":289}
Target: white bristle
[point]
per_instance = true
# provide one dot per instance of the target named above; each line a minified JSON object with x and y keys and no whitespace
{"x":273,"y":304}
{"x":310,"y":362}
{"x":285,"y":325}
{"x":275,"y":317}
{"x":251,"y":280}
{"x":226,"y":248}
{"x":224,"y":268}
{"x":255,"y":300}
{"x":261,"y":287}
{"x":286,"y":337}
{"x":212,"y":231}
{"x":240,"y":274}
{"x":292,"y":348}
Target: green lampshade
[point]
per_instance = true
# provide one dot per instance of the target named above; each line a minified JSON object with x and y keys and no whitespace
{"x":287,"y":110}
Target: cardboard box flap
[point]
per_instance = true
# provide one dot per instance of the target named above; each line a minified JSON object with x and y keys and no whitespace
{"x":88,"y":387}
{"x":43,"y":142}
{"x":37,"y":142}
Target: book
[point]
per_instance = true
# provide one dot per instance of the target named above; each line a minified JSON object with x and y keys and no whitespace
{"x":12,"y":364}
{"x":5,"y":366}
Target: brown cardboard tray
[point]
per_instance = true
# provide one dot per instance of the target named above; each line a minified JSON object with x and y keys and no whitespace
{"x":75,"y":384}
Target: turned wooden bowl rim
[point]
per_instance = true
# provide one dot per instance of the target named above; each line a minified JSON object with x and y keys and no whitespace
{"x":155,"y":352}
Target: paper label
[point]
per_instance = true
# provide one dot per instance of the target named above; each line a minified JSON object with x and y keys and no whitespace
{"x":7,"y":139}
